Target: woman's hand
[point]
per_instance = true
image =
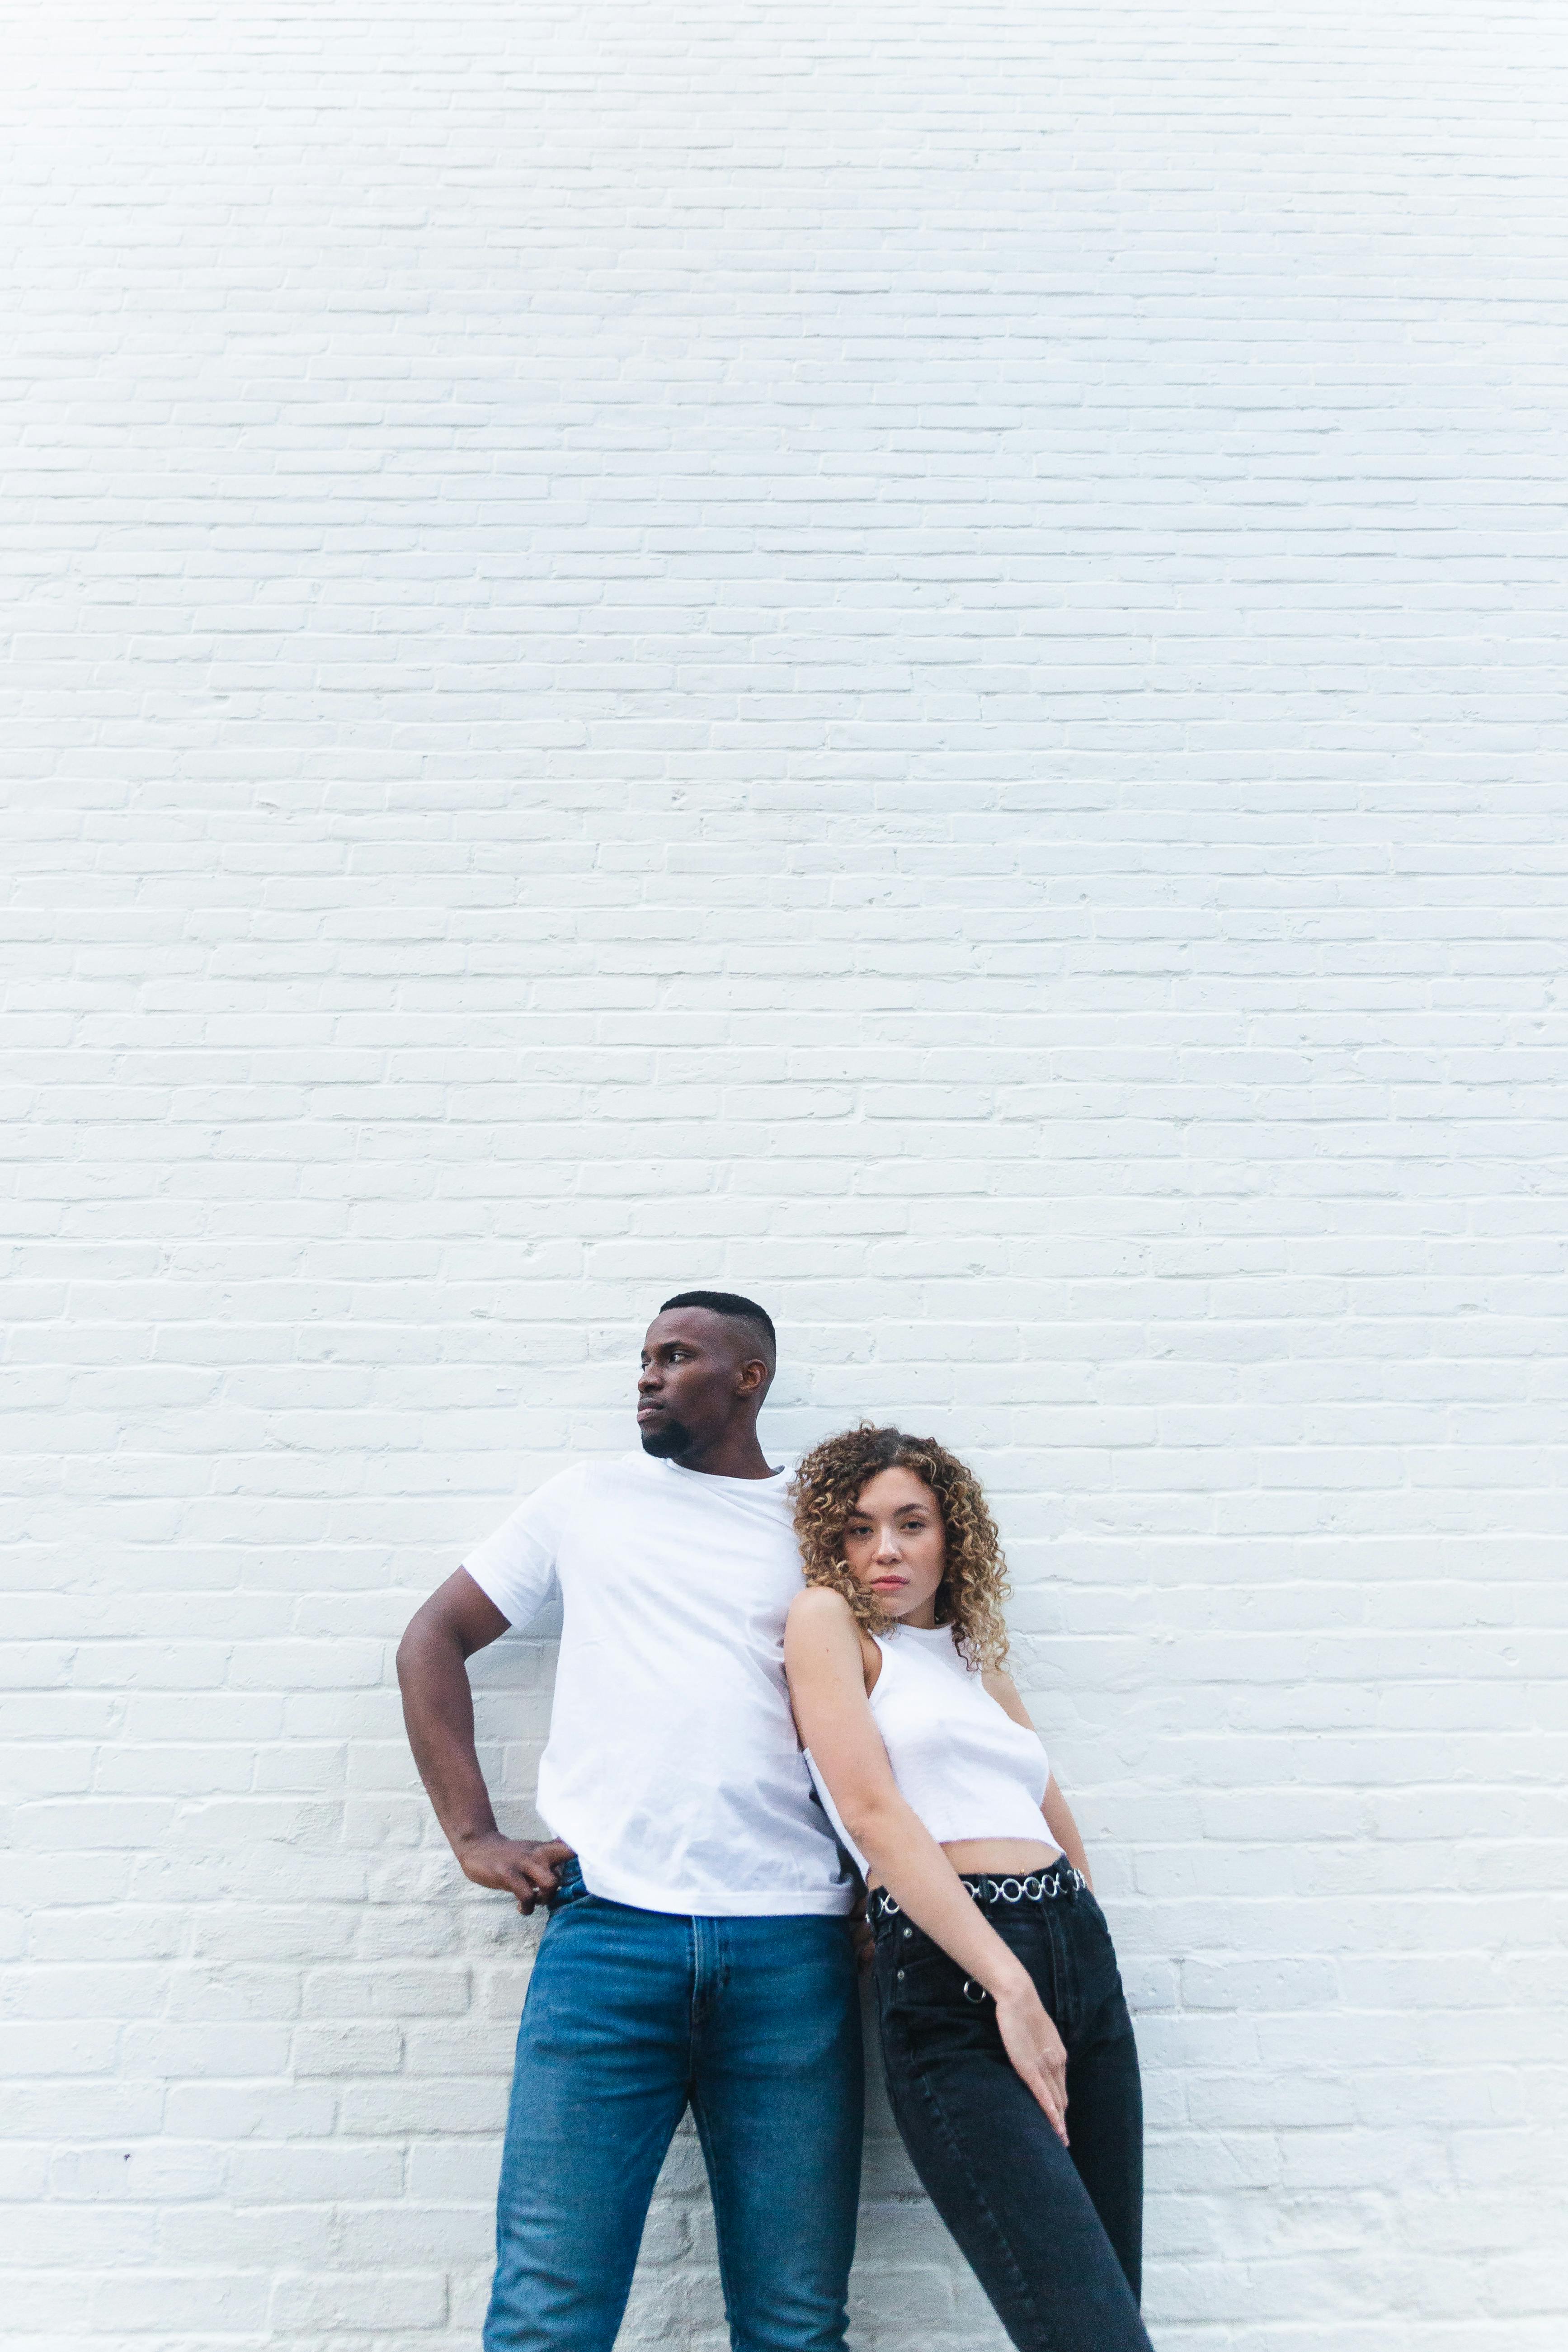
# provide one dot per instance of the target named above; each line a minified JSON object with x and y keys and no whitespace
{"x":1034,"y":2047}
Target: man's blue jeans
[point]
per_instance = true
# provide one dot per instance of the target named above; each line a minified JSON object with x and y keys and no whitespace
{"x":630,"y":2017}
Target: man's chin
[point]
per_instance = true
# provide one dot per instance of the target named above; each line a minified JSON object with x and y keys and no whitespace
{"x":665,"y":1440}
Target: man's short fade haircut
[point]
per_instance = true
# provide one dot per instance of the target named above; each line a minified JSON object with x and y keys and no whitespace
{"x":734,"y":1309}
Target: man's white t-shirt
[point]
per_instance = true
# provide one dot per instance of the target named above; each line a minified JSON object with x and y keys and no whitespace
{"x":672,"y":1767}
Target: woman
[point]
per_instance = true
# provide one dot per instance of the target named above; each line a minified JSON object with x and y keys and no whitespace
{"x":1004,"y":2026}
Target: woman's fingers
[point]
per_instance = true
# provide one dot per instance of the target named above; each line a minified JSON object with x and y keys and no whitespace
{"x":1037,"y":2050}
{"x":1053,"y":2101}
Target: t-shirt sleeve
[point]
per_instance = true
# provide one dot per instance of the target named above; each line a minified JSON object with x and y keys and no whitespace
{"x":516,"y":1566}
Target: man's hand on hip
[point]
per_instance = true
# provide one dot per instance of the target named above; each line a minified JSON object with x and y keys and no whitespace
{"x":526,"y":1867}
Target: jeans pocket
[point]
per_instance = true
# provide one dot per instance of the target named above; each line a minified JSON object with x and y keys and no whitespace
{"x":1095,"y":1954}
{"x":569,"y":1890}
{"x":916,"y":1984}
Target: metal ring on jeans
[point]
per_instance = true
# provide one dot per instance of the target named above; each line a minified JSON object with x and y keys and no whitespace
{"x":973,"y":1991}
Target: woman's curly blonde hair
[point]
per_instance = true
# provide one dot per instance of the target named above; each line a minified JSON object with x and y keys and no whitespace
{"x":828,"y":1486}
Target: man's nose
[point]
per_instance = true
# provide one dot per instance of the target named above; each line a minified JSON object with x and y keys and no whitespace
{"x":650,"y":1377}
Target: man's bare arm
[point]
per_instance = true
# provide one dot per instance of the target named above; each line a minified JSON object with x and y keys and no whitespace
{"x":438,"y":1709}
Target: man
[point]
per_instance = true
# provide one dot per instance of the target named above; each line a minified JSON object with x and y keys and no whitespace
{"x":698,"y":1951}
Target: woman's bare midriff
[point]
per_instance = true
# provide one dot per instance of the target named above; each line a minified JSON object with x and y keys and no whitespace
{"x":998,"y":1857}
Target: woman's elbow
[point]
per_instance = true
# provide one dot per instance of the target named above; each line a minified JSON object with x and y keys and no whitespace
{"x":872,"y":1819}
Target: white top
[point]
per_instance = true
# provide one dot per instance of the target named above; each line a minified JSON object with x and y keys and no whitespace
{"x":673,"y":1767}
{"x":962,"y":1763}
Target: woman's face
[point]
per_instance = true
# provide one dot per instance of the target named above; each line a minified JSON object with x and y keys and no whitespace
{"x":895,"y":1545}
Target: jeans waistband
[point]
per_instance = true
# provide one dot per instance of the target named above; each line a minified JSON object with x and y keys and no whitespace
{"x":1060,"y":1881}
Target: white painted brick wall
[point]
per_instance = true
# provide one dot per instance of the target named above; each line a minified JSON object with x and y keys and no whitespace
{"x":907,"y":656}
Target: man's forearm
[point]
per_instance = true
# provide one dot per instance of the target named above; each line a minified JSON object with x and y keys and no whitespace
{"x":439,"y":1710}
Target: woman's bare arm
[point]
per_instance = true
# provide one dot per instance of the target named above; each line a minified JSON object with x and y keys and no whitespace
{"x":1054,"y":1805}
{"x":1065,"y":1830}
{"x":827,"y":1691}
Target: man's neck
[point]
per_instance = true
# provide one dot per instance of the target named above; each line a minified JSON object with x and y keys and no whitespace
{"x":736,"y":1454}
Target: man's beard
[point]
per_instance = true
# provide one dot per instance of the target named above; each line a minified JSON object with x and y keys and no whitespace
{"x":671,"y":1437}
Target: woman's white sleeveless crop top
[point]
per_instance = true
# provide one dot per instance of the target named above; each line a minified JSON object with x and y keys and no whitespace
{"x":962,"y":1763}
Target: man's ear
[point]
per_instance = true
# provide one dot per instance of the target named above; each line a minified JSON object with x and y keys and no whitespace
{"x":753,"y":1376}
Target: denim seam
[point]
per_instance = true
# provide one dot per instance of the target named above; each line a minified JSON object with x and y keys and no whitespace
{"x":983,"y":2205}
{"x":1064,"y":1983}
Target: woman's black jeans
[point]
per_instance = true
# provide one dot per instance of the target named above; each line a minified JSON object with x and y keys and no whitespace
{"x":1053,"y":2235}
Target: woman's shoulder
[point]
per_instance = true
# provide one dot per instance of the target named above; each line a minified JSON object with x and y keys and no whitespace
{"x":821,"y":1615}
{"x":818,"y":1607}
{"x":999,"y":1685}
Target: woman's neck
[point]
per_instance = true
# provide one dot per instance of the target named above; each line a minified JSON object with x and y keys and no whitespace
{"x":923,"y":1619}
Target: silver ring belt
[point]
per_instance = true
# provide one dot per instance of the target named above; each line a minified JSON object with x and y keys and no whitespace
{"x":990,"y":1892}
